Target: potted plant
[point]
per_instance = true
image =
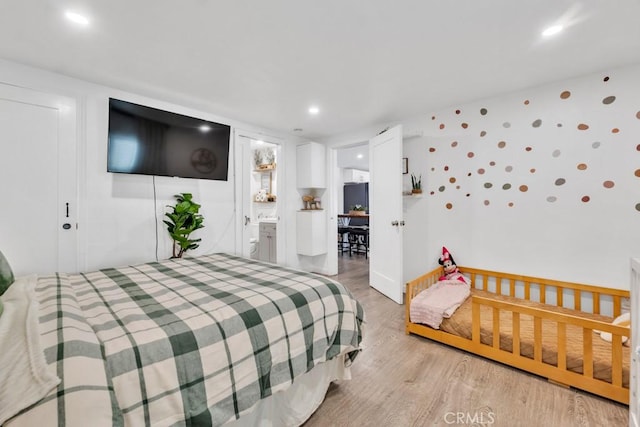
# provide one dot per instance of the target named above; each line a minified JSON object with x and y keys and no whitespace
{"x":416,"y":184}
{"x":358,"y":210}
{"x":184,"y":219}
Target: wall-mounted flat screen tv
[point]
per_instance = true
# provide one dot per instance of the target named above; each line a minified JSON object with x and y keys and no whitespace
{"x":148,"y":141}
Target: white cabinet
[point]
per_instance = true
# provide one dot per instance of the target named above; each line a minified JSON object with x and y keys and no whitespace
{"x":311,"y":169}
{"x":268,"y":242}
{"x":355,"y":175}
{"x":311,"y":225}
{"x":311,"y":232}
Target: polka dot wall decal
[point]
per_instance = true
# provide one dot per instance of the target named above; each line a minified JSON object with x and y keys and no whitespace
{"x":508,"y":168}
{"x":433,"y":117}
{"x":502,"y":144}
{"x":492,"y":163}
{"x":551,"y":199}
{"x":488,"y":185}
{"x":432,"y":192}
{"x":464,"y":125}
{"x":469,"y":174}
{"x":433,"y":169}
{"x":441,"y":125}
{"x":454,"y":144}
{"x":606,"y":79}
{"x":483,"y":133}
{"x":483,"y":111}
{"x":441,"y":188}
{"x":506,"y":125}
{"x":566,"y":94}
{"x":486,"y":203}
{"x":638,"y":147}
{"x":457,"y":111}
{"x":597,"y":144}
{"x":480,"y":171}
{"x":559,"y":125}
{"x":468,"y":194}
{"x":638,"y":207}
{"x":582,"y":167}
{"x":556,"y":153}
{"x":432,"y":149}
{"x":637,"y":173}
{"x":523,"y":188}
{"x":560,"y":181}
{"x":470,"y":154}
{"x":526,"y":102}
{"x":638,"y":115}
{"x":449,"y":205}
{"x":615,"y":130}
{"x":585,"y":199}
{"x":457,"y":187}
{"x":446,"y":168}
{"x":536,"y":123}
{"x":532,"y":170}
{"x":510,"y":204}
{"x":608,"y":184}
{"x":608,"y":100}
{"x":506,"y":186}
{"x":583,"y":126}
{"x":528,"y":149}
{"x":452,"y":180}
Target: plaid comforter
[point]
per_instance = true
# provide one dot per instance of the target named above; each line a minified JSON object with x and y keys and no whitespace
{"x":196,"y":341}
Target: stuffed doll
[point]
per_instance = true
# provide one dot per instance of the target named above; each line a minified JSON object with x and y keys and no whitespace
{"x":450,"y":268}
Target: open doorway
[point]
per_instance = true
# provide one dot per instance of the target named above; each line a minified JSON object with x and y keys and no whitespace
{"x":259,"y":173}
{"x":352,"y":203}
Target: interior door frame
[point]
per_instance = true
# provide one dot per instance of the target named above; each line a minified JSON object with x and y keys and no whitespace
{"x":241,"y":173}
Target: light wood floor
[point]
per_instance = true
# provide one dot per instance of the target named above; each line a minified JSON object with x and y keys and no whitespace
{"x":406,"y":380}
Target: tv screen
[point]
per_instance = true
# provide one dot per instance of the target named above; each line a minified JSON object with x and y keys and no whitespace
{"x":145,"y":140}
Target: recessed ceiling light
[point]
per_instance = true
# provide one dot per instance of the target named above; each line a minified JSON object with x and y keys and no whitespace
{"x":359,"y":156}
{"x":314,"y":110}
{"x":555,"y":29}
{"x":205,"y":128}
{"x":259,"y":142}
{"x":77,"y":18}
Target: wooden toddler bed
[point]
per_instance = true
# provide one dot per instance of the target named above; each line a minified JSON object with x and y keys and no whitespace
{"x":542,"y":326}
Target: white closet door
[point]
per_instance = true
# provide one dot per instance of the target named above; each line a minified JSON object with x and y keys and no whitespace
{"x":38,"y":181}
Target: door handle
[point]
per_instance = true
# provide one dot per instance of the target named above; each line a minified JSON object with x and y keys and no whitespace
{"x":246,"y":220}
{"x":394,"y":223}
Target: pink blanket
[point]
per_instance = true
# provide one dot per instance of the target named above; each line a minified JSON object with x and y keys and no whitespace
{"x":438,"y":301}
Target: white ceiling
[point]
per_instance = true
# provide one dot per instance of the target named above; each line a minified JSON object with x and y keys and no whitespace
{"x":362,"y":62}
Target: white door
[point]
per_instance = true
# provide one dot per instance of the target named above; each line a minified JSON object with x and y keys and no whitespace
{"x":634,"y":398}
{"x":243,"y":196}
{"x":385,"y":213}
{"x":38,"y":175}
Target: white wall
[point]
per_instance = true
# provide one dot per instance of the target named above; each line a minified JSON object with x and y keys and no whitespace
{"x":117,"y":213}
{"x":475,"y":168}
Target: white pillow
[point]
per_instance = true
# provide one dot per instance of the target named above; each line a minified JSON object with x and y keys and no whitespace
{"x":623,"y":318}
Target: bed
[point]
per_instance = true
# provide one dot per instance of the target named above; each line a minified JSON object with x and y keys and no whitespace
{"x":210,"y":340}
{"x":546,"y":327}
